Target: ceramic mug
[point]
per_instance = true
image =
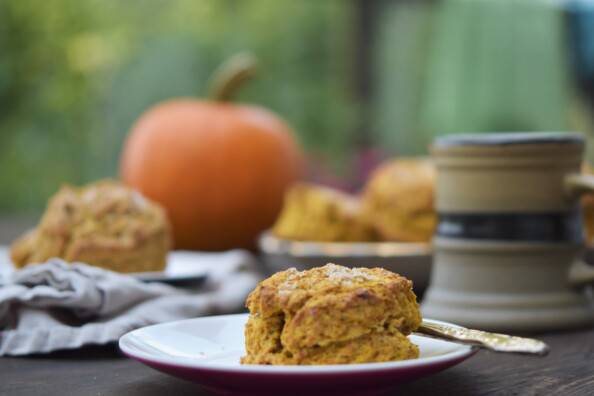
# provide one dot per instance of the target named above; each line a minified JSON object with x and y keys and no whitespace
{"x":509,"y":238}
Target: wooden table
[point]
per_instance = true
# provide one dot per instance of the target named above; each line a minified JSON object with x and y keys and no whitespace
{"x":568,"y":370}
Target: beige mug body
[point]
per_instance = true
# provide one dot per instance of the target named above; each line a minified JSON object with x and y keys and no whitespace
{"x":510,"y":232}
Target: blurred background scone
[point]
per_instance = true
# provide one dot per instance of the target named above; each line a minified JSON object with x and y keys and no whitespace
{"x":398,"y":199}
{"x":331,"y":315}
{"x":316,"y":213}
{"x":104,"y":224}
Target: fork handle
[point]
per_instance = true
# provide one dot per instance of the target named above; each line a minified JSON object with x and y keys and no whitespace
{"x":492,"y":341}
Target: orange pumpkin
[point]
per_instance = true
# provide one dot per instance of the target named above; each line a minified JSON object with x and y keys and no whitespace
{"x":219,"y":169}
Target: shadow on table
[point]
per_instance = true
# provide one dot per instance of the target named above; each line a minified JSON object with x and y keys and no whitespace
{"x":156,"y":384}
{"x":449,"y":382}
{"x":92,"y":352}
{"x":453,"y":382}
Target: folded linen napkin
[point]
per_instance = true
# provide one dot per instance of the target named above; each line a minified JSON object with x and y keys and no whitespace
{"x":55,"y":305}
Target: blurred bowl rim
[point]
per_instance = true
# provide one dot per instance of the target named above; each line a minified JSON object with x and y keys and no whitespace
{"x":271,"y":244}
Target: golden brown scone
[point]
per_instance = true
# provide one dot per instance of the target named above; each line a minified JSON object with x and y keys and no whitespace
{"x":331,"y":315}
{"x":398,"y":200}
{"x":104,"y":224}
{"x":316,"y":213}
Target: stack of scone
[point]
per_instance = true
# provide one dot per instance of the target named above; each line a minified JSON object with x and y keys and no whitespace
{"x":331,"y":315}
{"x":104,"y":224}
{"x":395,"y":205}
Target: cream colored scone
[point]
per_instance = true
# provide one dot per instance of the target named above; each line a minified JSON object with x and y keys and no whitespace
{"x":104,"y":224}
{"x":399,"y":200}
{"x":316,"y":213}
{"x":331,"y":315}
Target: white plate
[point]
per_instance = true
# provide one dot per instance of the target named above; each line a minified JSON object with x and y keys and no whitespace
{"x":207,"y":351}
{"x":182,"y":267}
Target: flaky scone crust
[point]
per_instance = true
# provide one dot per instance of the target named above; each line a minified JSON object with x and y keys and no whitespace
{"x":331,"y":315}
{"x":104,"y":224}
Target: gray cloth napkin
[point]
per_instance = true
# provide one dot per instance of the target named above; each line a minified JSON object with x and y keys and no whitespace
{"x":55,"y":305}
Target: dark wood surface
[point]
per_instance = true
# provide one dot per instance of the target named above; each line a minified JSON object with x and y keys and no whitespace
{"x":567,"y":370}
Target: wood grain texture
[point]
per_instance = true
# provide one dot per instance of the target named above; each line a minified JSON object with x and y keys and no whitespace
{"x":568,"y":370}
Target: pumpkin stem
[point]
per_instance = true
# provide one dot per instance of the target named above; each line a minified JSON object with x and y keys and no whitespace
{"x":230,"y":75}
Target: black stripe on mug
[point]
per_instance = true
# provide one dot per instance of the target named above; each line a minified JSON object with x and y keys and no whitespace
{"x":528,"y":227}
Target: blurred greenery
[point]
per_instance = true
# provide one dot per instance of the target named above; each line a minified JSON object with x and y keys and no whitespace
{"x":74,"y":75}
{"x":471,"y":66}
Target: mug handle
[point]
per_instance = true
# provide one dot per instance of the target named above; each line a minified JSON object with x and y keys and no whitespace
{"x":577,"y":184}
{"x":581,"y":274}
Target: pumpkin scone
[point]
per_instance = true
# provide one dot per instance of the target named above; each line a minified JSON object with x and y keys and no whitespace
{"x":104,"y":224}
{"x":331,"y":315}
{"x":316,"y":213}
{"x":399,"y":200}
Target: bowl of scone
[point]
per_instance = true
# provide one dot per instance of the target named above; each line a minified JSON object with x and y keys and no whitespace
{"x":389,"y":224}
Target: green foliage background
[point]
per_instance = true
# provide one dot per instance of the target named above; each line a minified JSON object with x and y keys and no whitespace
{"x":74,"y":75}
{"x":471,"y":66}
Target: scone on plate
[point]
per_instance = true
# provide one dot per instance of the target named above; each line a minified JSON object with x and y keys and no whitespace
{"x":316,"y":213}
{"x":105,"y":224}
{"x":331,"y":315}
{"x":398,"y":200}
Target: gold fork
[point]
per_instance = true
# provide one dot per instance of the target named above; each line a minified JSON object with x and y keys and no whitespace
{"x":492,"y":341}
